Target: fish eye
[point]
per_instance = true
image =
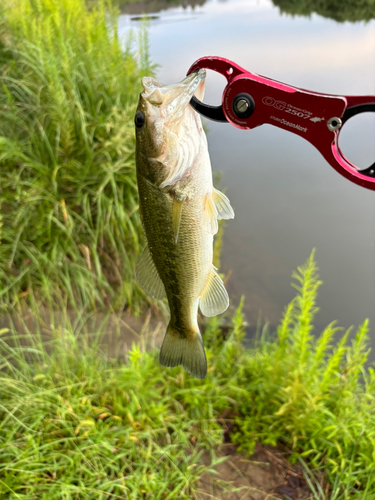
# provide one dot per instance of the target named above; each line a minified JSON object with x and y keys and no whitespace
{"x":139,"y":119}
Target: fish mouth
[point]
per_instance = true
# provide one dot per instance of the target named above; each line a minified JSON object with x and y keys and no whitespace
{"x":174,"y":97}
{"x":191,"y":83}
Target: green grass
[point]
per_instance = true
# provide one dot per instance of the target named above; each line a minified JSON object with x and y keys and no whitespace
{"x":77,"y":422}
{"x":68,"y":199}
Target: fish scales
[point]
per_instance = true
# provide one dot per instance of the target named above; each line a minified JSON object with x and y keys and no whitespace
{"x":179,"y":209}
{"x":183,"y":267}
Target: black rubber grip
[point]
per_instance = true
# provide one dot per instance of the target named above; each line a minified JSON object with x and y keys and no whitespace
{"x":214,"y":113}
{"x":356,"y":110}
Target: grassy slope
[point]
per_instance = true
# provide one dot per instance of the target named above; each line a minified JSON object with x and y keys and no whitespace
{"x":76,"y":424}
{"x":68,"y":91}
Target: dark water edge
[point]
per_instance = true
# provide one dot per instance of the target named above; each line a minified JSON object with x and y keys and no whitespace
{"x":114,"y":333}
{"x":338,"y":10}
{"x":154,"y":6}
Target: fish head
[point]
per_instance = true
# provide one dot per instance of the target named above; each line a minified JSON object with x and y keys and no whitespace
{"x":168,"y":130}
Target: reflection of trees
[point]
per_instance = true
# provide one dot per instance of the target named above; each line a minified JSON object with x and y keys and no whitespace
{"x":148,"y":6}
{"x":339,"y":10}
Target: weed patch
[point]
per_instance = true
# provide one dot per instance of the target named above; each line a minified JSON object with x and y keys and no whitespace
{"x":68,"y":197}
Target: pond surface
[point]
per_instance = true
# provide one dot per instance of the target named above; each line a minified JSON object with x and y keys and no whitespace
{"x":287,"y":199}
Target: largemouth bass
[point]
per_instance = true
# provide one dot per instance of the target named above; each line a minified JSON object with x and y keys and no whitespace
{"x":179,"y":209}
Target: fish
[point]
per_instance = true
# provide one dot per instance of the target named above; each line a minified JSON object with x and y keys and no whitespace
{"x":179,"y":210}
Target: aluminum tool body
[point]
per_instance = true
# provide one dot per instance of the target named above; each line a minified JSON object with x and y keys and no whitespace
{"x":250,"y":100}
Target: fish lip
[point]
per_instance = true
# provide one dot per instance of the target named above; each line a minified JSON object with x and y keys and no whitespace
{"x":157,"y":93}
{"x":149,"y":84}
{"x":178,"y":96}
{"x":193,"y":80}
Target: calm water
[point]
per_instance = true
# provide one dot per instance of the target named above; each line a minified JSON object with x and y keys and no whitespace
{"x":287,"y":199}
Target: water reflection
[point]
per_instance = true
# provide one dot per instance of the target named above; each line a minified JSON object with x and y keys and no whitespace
{"x":338,"y":10}
{"x":150,"y":6}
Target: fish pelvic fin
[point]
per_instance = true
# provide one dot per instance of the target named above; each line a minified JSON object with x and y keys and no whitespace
{"x":185,"y":351}
{"x":214,"y":298}
{"x":176,"y":216}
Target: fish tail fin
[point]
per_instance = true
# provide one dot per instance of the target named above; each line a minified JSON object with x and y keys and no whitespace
{"x":186,"y":351}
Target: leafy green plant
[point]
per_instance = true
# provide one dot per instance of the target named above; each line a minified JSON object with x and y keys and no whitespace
{"x":313,"y":395}
{"x":68,"y":198}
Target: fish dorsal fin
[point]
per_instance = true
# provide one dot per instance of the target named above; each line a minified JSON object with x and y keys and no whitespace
{"x":210,"y":215}
{"x":214,"y":299}
{"x":224,"y":209}
{"x":176,"y":216}
{"x":148,"y":276}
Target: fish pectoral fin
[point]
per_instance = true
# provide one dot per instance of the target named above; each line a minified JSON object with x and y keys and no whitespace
{"x":216,"y":207}
{"x":224,"y":209}
{"x":186,"y":351}
{"x":176,"y":216}
{"x":148,"y":277}
{"x":210,"y":215}
{"x":214,"y":299}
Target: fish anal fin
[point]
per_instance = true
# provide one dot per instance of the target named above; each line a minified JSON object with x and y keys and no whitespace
{"x":224,"y":209}
{"x":148,"y":277}
{"x":186,"y":351}
{"x":210,"y":215}
{"x":176,"y":215}
{"x":214,"y":299}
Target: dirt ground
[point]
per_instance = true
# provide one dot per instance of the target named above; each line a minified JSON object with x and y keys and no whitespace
{"x":266,"y":475}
